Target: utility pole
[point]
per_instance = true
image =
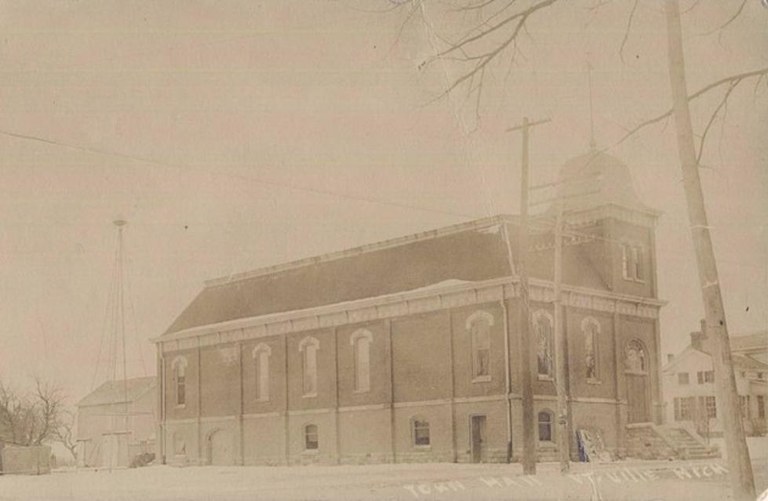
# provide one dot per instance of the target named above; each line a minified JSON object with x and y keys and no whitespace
{"x":529,"y":425}
{"x":742,"y":480}
{"x":560,"y":349}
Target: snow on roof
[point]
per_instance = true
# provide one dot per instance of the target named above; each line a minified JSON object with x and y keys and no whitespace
{"x":463,"y":254}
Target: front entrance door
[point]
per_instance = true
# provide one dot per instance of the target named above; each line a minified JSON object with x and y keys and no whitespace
{"x":477,"y":426}
{"x":636,"y":370}
{"x":637,"y":398}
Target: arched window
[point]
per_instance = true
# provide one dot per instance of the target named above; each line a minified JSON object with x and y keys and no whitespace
{"x":308,"y":349}
{"x":545,"y":426}
{"x":261,"y":355}
{"x":542,"y":324}
{"x":361,"y":348}
{"x":420,"y":432}
{"x":311,"y":439}
{"x":591,"y":329}
{"x":635,"y":358}
{"x":479,"y":328}
{"x":179,"y":367}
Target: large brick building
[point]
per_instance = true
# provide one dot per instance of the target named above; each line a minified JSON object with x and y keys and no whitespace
{"x":409,"y":349}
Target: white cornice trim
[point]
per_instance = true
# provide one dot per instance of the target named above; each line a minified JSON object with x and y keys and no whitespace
{"x":402,"y":304}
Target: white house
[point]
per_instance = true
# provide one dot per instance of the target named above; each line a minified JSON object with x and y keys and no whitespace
{"x":688,"y":381}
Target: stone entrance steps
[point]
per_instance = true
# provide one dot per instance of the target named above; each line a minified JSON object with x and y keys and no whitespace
{"x":651,"y":441}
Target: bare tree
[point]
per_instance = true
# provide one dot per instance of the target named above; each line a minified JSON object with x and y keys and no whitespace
{"x":65,"y":433}
{"x":33,"y":417}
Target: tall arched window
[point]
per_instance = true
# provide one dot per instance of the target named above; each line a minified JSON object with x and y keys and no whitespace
{"x":179,"y":367}
{"x":361,"y":348}
{"x":311,"y":438}
{"x":308,"y":349}
{"x":635,"y":358}
{"x":591,"y":330}
{"x":545,"y":426}
{"x":479,"y":328}
{"x":542,"y":324}
{"x":261,"y":355}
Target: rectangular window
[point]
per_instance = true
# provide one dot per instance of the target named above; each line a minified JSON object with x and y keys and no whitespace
{"x":682,"y":378}
{"x":709,"y":376}
{"x":311,"y":442}
{"x":744,"y":401}
{"x":625,"y":261}
{"x":761,"y":407}
{"x":684,"y":408}
{"x":421,"y":433}
{"x":759,"y":375}
{"x":711,"y":407}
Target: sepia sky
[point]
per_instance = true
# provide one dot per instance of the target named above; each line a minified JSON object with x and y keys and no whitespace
{"x":237,"y":134}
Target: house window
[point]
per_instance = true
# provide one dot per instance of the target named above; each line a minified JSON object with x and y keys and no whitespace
{"x":760,"y":406}
{"x":711,"y":406}
{"x":361,"y":347}
{"x":420,"y":432}
{"x":682,"y":378}
{"x":684,"y":408}
{"x":179,"y":367}
{"x":759,"y":375}
{"x":635,"y":360}
{"x":545,"y":426}
{"x":543,"y":328}
{"x":591,"y":329}
{"x":308,"y":349}
{"x":479,"y":328}
{"x":632,"y":262}
{"x":705,"y":377}
{"x":744,"y":401}
{"x":311,"y":442}
{"x":261,"y":355}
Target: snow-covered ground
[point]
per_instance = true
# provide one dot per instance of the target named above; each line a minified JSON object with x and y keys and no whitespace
{"x":647,"y":480}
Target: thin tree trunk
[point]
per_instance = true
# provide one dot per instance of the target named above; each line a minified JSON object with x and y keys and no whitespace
{"x":742,"y":482}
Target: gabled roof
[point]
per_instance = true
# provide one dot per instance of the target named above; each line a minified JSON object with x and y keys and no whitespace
{"x":472,"y":251}
{"x":748,"y":363}
{"x":757,"y":341}
{"x":688,"y":352}
{"x":741,"y":362}
{"x":114,"y":392}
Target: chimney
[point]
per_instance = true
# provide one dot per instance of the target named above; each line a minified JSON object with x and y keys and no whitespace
{"x":670,"y":357}
{"x":697,"y":340}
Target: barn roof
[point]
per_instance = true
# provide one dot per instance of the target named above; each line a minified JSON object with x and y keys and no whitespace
{"x":114,"y":392}
{"x":471,"y":251}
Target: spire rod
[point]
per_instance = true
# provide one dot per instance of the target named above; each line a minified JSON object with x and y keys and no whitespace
{"x":592,"y":143}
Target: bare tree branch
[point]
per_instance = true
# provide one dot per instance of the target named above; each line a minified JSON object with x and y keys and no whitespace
{"x":712,"y":118}
{"x":627,"y":29}
{"x":733,"y":79}
{"x":730,"y":19}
